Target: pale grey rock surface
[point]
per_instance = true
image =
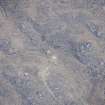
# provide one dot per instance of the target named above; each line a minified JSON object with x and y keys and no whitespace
{"x":52,"y":52}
